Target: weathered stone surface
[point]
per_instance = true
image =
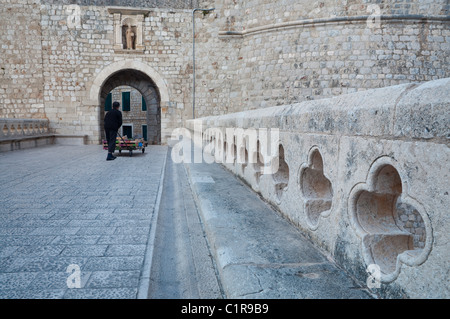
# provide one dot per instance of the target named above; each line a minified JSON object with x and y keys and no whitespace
{"x":423,"y":112}
{"x":253,"y":260}
{"x":378,"y":192}
{"x":58,"y":61}
{"x":74,"y":216}
{"x":271,"y":57}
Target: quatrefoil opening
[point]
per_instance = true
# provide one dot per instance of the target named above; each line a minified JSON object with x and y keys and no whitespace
{"x":281,"y":176}
{"x":394,"y":228}
{"x":316,"y":189}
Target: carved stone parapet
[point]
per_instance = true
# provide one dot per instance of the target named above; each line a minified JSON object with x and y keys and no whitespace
{"x":16,"y":128}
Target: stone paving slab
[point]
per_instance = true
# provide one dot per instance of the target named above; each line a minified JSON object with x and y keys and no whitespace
{"x":259,"y":254}
{"x":63,"y":205}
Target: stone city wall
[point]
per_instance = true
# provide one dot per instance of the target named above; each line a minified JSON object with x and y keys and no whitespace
{"x":21,"y":68}
{"x":172,"y":4}
{"x":363,"y":175}
{"x":259,"y":13}
{"x":56,"y":56}
{"x":276,"y":53}
{"x":50,"y":61}
{"x":72,"y":57}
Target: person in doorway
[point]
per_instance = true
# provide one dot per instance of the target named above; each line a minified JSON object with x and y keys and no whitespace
{"x":113,"y":121}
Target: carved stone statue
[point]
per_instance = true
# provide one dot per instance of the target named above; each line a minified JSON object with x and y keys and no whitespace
{"x":130,"y":36}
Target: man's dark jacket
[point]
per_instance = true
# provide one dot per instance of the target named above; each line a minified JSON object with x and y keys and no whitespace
{"x":113,"y":120}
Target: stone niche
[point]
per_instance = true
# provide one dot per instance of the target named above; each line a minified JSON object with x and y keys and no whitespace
{"x":128,"y":29}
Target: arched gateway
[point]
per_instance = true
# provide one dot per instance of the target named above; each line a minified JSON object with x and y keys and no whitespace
{"x":137,"y":75}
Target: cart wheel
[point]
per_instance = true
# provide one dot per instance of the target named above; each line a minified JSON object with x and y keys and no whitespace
{"x":143,"y":150}
{"x":131,"y":153}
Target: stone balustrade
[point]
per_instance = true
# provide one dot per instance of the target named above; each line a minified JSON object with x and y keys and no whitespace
{"x":363,"y":175}
{"x":24,"y":133}
{"x":19,"y":128}
{"x":18,"y":134}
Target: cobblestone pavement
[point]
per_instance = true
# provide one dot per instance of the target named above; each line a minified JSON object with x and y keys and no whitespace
{"x":64,"y":207}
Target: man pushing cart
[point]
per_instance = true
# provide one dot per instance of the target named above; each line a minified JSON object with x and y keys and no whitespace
{"x":113,"y":121}
{"x":130,"y":145}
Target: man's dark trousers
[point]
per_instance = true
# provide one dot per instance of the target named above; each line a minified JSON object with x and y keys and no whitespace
{"x":111,"y":136}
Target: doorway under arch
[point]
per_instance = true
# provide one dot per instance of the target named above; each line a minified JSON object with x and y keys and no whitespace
{"x":149,"y":91}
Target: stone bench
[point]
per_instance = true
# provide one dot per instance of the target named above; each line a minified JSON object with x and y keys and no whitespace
{"x":18,"y":134}
{"x":17,"y":143}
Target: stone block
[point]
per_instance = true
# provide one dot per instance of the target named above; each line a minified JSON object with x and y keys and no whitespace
{"x":422,"y":113}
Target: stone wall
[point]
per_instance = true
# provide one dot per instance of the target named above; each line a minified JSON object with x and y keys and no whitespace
{"x":172,"y":4}
{"x":249,"y":55}
{"x":73,"y":57}
{"x":50,"y":62}
{"x":325,"y":60}
{"x":364,"y":175}
{"x":276,"y":53}
{"x":21,"y":68}
{"x":259,"y":13}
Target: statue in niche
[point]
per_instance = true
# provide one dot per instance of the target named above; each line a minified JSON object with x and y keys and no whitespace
{"x":130,"y":36}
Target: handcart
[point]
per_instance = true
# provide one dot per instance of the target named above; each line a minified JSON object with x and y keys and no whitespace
{"x":123,"y":143}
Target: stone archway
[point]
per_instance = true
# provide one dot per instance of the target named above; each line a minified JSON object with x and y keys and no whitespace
{"x":145,"y":86}
{"x":137,"y":75}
